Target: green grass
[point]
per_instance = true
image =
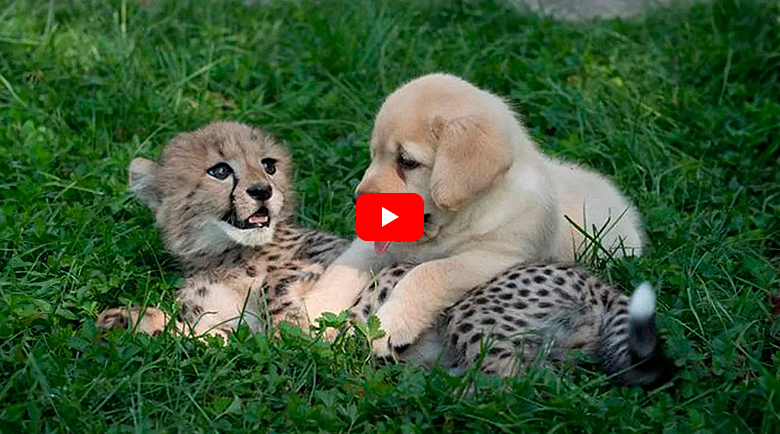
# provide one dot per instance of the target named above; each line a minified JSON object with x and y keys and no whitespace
{"x":682,"y":110}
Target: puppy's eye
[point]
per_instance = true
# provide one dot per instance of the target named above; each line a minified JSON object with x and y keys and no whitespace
{"x":269,"y":164}
{"x":407,"y":164}
{"x":220,"y":171}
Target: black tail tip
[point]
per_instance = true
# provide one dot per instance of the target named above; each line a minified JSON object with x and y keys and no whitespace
{"x":650,"y":372}
{"x":662,"y":372}
{"x":650,"y":367}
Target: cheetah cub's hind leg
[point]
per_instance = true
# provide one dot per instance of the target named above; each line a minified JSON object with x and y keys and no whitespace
{"x":151,"y":321}
{"x":204,"y":310}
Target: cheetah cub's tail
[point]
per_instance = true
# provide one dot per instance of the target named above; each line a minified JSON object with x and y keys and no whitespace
{"x":634,"y":352}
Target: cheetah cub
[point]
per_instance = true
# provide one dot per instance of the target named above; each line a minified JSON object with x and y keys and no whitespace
{"x":223,"y":202}
{"x":532,"y":311}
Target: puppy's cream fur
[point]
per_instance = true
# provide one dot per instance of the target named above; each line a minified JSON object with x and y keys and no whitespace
{"x":492,"y":199}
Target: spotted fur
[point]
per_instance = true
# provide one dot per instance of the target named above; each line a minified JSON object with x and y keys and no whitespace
{"x":235,"y":269}
{"x":237,"y":273}
{"x":536,"y":312}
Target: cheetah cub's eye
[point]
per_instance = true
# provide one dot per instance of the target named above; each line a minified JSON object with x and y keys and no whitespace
{"x":220,"y":171}
{"x":269,"y":164}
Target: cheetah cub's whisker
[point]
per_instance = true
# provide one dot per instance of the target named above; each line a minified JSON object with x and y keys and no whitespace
{"x":533,"y":311}
{"x":224,"y":204}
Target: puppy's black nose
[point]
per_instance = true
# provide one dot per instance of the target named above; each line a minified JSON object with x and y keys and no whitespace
{"x":355,"y":197}
{"x":259,"y":192}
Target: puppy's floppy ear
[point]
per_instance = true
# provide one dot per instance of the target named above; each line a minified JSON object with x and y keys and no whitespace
{"x":143,"y":182}
{"x":469,"y":157}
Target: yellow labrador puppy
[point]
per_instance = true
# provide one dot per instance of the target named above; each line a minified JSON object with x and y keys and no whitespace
{"x":492,"y":199}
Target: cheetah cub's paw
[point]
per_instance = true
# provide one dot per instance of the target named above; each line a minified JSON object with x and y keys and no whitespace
{"x":286,"y":294}
{"x":152,"y":322}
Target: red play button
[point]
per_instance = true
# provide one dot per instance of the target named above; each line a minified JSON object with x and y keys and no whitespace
{"x":386,"y":217}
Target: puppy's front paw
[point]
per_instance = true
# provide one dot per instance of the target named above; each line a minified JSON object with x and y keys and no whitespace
{"x":381,"y":347}
{"x":387,"y":348}
{"x":400,"y":332}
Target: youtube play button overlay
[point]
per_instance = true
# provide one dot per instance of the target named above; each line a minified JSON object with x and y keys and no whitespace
{"x":386,"y":217}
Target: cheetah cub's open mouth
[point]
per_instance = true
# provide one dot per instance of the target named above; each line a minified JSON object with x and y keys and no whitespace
{"x":259,"y":219}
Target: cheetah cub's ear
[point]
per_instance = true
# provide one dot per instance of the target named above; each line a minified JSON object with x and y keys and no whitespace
{"x":143,"y":182}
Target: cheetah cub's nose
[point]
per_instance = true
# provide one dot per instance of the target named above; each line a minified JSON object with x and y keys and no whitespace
{"x":259,"y":192}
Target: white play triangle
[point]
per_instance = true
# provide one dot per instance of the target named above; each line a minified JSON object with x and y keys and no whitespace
{"x":387,"y":217}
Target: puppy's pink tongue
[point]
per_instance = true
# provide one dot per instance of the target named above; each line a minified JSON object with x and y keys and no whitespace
{"x":380,"y":248}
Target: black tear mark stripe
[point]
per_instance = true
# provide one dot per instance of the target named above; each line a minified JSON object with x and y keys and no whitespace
{"x":231,"y":216}
{"x":235,"y":185}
